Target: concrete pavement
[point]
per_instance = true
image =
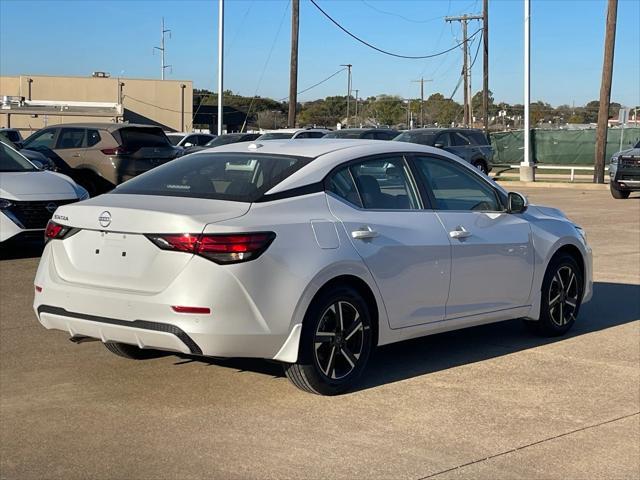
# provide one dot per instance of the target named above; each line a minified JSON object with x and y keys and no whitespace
{"x":492,"y":402}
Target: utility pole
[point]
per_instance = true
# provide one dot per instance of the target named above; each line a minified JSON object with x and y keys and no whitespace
{"x":220,"y":63}
{"x":485,"y":66}
{"x":464,"y":19}
{"x":163,"y":31}
{"x":605,"y":91}
{"x":421,"y":82}
{"x":293,"y":73}
{"x":356,"y":90}
{"x":348,"y":65}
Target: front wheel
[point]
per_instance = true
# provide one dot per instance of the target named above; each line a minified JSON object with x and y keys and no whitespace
{"x":618,"y":194}
{"x":335,"y":345}
{"x":562,"y":290}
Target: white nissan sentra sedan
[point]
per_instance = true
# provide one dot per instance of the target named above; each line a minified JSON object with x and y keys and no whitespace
{"x":307,"y":253}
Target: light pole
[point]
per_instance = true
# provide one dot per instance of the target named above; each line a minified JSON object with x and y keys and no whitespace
{"x":220,"y":61}
{"x":527,"y":171}
{"x":182,"y":87}
{"x":348,"y":65}
{"x":356,"y":90}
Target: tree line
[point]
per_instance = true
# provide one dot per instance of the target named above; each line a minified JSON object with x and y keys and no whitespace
{"x":396,"y":111}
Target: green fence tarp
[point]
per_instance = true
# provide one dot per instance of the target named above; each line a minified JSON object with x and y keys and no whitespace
{"x":559,"y":147}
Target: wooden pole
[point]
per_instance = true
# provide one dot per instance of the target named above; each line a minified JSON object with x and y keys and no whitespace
{"x":293,"y":73}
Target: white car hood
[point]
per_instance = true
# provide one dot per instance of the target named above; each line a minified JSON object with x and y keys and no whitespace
{"x":40,"y":185}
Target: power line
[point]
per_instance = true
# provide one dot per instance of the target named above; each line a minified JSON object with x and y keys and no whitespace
{"x":316,"y":84}
{"x":364,"y":42}
{"x":393,"y":14}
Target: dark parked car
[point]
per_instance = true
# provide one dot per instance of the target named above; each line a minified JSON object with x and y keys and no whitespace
{"x":186,"y":140}
{"x":99,"y":156}
{"x":13,"y":135}
{"x":468,"y":144}
{"x":225,"y":139}
{"x":624,"y":172}
{"x":364,"y":133}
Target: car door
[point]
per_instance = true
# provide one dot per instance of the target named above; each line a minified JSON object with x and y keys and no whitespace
{"x":402,"y":244}
{"x":70,"y":145}
{"x":492,"y":251}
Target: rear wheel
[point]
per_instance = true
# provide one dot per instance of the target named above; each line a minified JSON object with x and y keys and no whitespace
{"x":335,"y":345}
{"x":619,"y":194}
{"x":132,"y":352}
{"x":561,"y":297}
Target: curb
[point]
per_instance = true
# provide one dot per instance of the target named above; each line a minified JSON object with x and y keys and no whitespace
{"x":571,"y":186}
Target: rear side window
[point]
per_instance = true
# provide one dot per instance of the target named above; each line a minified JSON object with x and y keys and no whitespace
{"x":240,"y":177}
{"x":71,"y":138}
{"x":422,"y":138}
{"x":383,"y":135}
{"x":459,"y":139}
{"x":93,"y":137}
{"x":341,"y":183}
{"x":134,"y":138}
{"x":478,"y":138}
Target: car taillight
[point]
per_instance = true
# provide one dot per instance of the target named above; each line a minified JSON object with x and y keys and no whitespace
{"x":115,"y":151}
{"x":220,"y":248}
{"x":56,"y":231}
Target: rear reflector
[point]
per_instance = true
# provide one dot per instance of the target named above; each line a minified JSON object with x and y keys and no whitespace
{"x":183,"y":309}
{"x":220,"y":248}
{"x":38,"y":288}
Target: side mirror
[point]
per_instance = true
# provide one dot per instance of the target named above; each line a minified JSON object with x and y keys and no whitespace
{"x":516,"y":203}
{"x":439,"y":145}
{"x":187,"y":145}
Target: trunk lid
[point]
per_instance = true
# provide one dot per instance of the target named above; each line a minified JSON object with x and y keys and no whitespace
{"x":111,"y":250}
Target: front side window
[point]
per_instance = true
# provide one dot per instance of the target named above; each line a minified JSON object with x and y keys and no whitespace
{"x":41,"y":140}
{"x":12,"y":161}
{"x":240,"y":177}
{"x":459,"y":139}
{"x":70,"y":138}
{"x":455,"y":187}
{"x":385,"y":183}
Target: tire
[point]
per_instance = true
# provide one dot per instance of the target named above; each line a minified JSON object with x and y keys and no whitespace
{"x":481,"y":165}
{"x":132,"y":352}
{"x":333,"y":356}
{"x":562,"y":290}
{"x":618,"y":194}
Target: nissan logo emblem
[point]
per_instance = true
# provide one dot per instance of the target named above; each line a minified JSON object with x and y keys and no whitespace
{"x":51,"y":207}
{"x":105,"y":219}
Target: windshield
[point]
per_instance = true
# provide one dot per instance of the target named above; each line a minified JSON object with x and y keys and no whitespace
{"x":241,"y":177}
{"x":415,"y":136}
{"x":12,"y":161}
{"x":175,"y":139}
{"x":344,"y":134}
{"x":276,"y":136}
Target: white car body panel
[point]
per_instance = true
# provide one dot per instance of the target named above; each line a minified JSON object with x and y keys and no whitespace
{"x":258,"y":307}
{"x":33,"y":186}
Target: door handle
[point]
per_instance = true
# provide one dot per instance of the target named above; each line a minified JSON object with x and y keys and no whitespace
{"x":459,"y":232}
{"x":364,"y":233}
{"x":76,"y":155}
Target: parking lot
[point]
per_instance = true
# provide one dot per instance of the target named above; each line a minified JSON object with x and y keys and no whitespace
{"x":488,"y":402}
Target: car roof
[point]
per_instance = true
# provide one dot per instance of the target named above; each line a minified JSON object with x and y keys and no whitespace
{"x":327,"y":153}
{"x":102,"y":126}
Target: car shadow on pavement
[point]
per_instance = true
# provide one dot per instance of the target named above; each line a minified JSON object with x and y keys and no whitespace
{"x":15,"y":250}
{"x":612,"y":304}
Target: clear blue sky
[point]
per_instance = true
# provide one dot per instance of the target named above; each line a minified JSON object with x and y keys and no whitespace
{"x":118,"y":36}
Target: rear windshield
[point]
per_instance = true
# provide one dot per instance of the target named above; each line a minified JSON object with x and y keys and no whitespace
{"x":241,"y":177}
{"x":226,"y":139}
{"x":276,"y":136}
{"x":417,"y":136}
{"x":175,"y":139}
{"x":134,"y":138}
{"x":344,"y":134}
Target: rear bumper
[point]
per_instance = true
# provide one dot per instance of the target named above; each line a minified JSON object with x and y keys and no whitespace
{"x":235,"y":327}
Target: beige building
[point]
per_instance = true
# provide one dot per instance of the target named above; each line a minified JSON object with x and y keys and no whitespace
{"x":30,"y":102}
